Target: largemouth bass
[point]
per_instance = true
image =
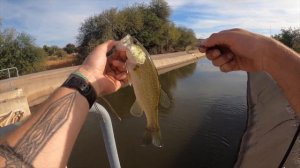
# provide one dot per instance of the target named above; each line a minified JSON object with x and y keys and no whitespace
{"x":143,"y":77}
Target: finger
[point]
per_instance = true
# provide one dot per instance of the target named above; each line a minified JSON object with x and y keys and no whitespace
{"x":217,"y":39}
{"x":124,"y":83}
{"x":123,"y":55}
{"x":107,"y":68}
{"x":223,"y":59}
{"x":119,"y":55}
{"x":115,"y":84}
{"x":107,"y":46}
{"x":213,"y":54}
{"x":111,"y":73}
{"x":119,"y":65}
{"x":202,"y":49}
{"x":230,"y":66}
{"x":121,"y":76}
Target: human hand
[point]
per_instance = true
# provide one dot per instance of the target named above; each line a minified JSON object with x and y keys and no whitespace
{"x":237,"y":49}
{"x":106,"y":74}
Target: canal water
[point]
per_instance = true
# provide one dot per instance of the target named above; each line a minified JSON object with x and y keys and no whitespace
{"x":202,"y":128}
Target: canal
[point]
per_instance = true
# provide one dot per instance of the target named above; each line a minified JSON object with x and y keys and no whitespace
{"x":202,"y":128}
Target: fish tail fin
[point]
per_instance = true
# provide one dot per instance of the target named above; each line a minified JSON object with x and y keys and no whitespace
{"x":153,"y":137}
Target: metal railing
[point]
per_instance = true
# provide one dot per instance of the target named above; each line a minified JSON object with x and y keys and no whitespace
{"x":108,"y":135}
{"x":9,"y":71}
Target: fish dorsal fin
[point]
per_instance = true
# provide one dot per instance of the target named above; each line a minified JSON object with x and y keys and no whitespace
{"x":136,"y":110}
{"x":164,"y":100}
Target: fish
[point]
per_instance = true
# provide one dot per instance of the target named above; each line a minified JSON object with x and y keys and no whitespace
{"x":143,"y":77}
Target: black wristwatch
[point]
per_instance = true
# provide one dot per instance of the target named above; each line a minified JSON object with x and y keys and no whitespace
{"x":82,"y":86}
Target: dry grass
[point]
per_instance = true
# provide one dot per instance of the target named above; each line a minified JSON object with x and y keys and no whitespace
{"x":55,"y":62}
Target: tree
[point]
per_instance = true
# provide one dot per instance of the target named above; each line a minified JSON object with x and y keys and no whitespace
{"x":161,"y":9}
{"x":55,"y":51}
{"x":18,"y":50}
{"x":70,"y":48}
{"x":149,"y":24}
{"x":95,"y":30}
{"x":46,"y":48}
{"x":290,"y":37}
{"x":60,"y":53}
{"x":296,"y":45}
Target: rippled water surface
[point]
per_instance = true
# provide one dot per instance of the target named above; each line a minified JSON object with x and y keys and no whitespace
{"x":202,"y":128}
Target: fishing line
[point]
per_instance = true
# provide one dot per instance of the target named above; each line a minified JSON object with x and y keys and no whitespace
{"x":290,"y":148}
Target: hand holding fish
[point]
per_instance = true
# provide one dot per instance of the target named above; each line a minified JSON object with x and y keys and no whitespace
{"x":107,"y":74}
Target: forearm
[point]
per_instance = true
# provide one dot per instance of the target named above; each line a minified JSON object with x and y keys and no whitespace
{"x":48,"y":136}
{"x":284,"y":66}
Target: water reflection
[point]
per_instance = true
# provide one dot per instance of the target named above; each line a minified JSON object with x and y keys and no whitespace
{"x":169,"y":80}
{"x":202,"y":128}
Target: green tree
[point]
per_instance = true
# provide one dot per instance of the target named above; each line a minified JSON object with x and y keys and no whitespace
{"x":96,"y":30}
{"x":161,"y":9}
{"x":70,"y":48}
{"x":18,"y":50}
{"x":60,"y":53}
{"x":149,"y":24}
{"x":290,"y":37}
{"x":171,"y":37}
{"x":55,"y":51}
{"x":296,"y":45}
{"x":52,"y":50}
{"x":187,"y":38}
{"x":46,"y":48}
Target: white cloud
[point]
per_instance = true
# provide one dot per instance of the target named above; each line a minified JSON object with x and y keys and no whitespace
{"x":57,"y":22}
{"x":261,"y":16}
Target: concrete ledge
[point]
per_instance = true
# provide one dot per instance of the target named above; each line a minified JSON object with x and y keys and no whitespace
{"x":14,"y":105}
{"x":11,"y":94}
{"x":38,"y":84}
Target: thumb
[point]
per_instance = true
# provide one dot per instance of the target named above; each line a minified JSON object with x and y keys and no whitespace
{"x":107,"y":46}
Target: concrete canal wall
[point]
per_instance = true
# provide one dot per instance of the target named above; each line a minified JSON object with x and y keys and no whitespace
{"x":272,"y":127}
{"x":38,"y":86}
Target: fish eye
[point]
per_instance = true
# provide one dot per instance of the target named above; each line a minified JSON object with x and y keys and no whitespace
{"x":134,"y":41}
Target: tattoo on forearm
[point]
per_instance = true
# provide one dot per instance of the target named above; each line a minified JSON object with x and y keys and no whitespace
{"x":28,"y":147}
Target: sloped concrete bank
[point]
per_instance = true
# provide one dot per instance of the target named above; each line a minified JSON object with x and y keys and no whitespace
{"x":272,"y":127}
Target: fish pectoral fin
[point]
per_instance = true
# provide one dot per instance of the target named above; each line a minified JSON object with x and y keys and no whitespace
{"x":136,"y":109}
{"x":164,"y":99}
{"x":153,"y":137}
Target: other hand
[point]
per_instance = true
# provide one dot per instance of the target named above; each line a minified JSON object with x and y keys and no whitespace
{"x":237,"y":49}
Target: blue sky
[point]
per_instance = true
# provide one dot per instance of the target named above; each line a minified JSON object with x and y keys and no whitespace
{"x":56,"y":22}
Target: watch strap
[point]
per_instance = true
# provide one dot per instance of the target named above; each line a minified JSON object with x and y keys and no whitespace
{"x":80,"y":84}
